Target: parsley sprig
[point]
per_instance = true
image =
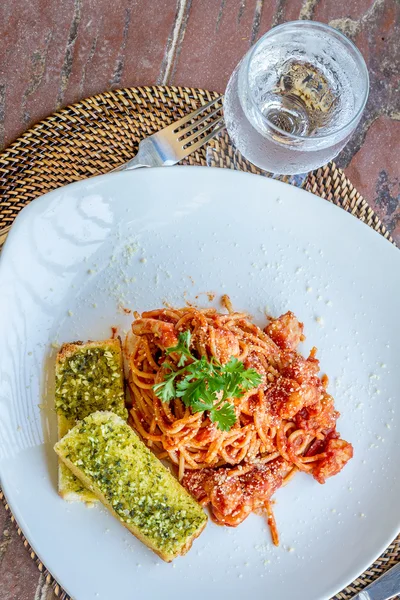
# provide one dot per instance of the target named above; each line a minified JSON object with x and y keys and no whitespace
{"x":205,"y":385}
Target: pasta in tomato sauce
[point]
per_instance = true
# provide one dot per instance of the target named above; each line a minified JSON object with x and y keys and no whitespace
{"x":284,"y":425}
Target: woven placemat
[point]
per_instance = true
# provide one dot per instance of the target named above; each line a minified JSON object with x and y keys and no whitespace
{"x":97,"y":134}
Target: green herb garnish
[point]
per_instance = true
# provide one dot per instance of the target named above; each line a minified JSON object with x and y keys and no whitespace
{"x":205,"y":385}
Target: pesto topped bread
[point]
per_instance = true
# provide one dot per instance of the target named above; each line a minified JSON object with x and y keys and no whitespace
{"x":110,"y":459}
{"x":89,"y":377}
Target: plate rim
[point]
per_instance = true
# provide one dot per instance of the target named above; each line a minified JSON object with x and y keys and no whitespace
{"x":329,"y":206}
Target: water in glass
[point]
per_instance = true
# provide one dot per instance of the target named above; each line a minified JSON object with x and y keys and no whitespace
{"x":296,"y":97}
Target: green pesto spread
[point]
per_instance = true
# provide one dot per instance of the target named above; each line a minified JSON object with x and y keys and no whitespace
{"x":90,"y":380}
{"x":140,"y":489}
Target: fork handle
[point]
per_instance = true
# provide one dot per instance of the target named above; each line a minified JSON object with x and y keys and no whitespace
{"x":149,"y":154}
{"x":383,"y":588}
{"x":134,"y":163}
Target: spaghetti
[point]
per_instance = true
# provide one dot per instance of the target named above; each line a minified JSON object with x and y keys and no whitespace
{"x":286,"y":424}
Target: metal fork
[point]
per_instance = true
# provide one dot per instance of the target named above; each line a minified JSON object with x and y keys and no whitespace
{"x":385,"y":587}
{"x":178,"y":140}
{"x":173,"y":143}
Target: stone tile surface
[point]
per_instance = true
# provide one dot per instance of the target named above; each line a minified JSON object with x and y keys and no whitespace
{"x":19,"y":576}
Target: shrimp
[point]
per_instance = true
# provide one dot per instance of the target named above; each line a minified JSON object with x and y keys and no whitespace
{"x":224,"y":344}
{"x":233,"y":497}
{"x":321,"y":415}
{"x":287,"y":397}
{"x":286,"y":331}
{"x":337,"y":454}
{"x":164,"y":333}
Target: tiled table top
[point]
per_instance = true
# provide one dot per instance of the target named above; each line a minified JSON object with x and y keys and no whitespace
{"x":54,"y":52}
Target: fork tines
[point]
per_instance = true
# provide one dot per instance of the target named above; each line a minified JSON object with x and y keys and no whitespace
{"x":190,"y":132}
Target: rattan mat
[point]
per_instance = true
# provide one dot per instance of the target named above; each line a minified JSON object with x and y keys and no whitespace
{"x":97,"y":134}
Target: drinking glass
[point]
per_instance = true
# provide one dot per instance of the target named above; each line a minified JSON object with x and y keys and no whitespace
{"x":296,"y":97}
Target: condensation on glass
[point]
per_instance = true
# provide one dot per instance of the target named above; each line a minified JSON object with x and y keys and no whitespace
{"x":296,"y":97}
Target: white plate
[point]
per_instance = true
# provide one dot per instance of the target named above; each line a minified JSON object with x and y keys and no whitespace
{"x":141,"y":238}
